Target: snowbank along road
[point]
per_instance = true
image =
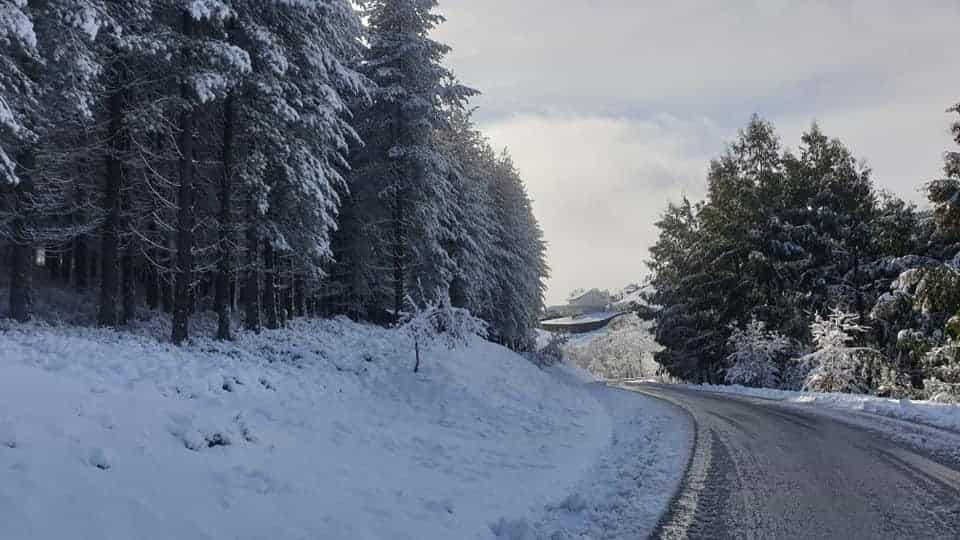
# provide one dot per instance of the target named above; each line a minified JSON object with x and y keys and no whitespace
{"x":764,"y":470}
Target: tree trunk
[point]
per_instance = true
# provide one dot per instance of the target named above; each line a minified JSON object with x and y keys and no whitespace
{"x":185,"y":218}
{"x":127,"y":263}
{"x":52,"y":261}
{"x":286,"y":302}
{"x":222,"y":294}
{"x":166,"y":286}
{"x":416,"y":348}
{"x":152,"y":274}
{"x":270,"y":287}
{"x":251,"y":292}
{"x":398,"y":254}
{"x":66,"y":263}
{"x":22,"y":251}
{"x":81,"y":262}
{"x":300,"y":295}
{"x":110,"y":230}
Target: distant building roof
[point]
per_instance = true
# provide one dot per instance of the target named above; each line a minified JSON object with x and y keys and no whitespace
{"x":592,"y":293}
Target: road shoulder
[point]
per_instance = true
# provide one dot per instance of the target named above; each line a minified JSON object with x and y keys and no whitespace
{"x":632,"y":485}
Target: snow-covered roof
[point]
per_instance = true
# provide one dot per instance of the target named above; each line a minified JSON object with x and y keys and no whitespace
{"x":586,"y":318}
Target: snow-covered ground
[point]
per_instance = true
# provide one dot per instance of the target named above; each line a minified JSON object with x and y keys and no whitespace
{"x":317,"y":431}
{"x":939,"y":415}
{"x":629,"y":488}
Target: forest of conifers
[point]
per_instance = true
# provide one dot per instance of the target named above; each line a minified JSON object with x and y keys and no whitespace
{"x":796,"y":271}
{"x":260,"y":159}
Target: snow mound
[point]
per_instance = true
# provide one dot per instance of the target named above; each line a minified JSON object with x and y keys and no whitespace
{"x":320,"y":430}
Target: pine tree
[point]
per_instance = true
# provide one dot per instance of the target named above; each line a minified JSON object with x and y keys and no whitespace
{"x":293,"y":113}
{"x":836,"y":365}
{"x":944,"y":193}
{"x":756,"y":355}
{"x":402,"y":182}
{"x":139,"y":138}
{"x":780,"y":236}
{"x":46,"y":50}
{"x":470,"y":222}
{"x":18,"y":50}
{"x":18,"y":107}
{"x":519,"y":258}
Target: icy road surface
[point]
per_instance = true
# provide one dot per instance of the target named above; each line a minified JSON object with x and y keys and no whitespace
{"x":761,"y":469}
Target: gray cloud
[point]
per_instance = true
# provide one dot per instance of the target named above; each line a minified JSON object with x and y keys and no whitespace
{"x":611,"y":108}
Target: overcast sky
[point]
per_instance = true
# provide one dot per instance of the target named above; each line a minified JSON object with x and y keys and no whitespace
{"x":612,"y":108}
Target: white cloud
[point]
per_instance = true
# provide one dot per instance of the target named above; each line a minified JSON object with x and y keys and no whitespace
{"x":598,"y":184}
{"x":532,"y":53}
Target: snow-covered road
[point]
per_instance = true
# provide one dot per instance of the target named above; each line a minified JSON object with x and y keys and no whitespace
{"x":763,"y":469}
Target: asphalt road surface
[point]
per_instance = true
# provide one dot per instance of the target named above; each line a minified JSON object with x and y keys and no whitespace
{"x":765,"y":470}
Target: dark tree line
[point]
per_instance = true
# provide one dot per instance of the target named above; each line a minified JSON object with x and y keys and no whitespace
{"x":258,"y":159}
{"x":783,"y":238}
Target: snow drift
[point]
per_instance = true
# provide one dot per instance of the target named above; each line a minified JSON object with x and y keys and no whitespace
{"x":316,"y":431}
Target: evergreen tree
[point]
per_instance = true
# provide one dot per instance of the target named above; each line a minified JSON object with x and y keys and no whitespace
{"x":470,"y":219}
{"x":162,"y":130}
{"x":18,"y":91}
{"x":401,"y":187}
{"x":519,"y":258}
{"x":755,"y":360}
{"x":779,"y":237}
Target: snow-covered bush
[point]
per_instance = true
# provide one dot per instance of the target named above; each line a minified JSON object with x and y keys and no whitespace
{"x":941,"y":367}
{"x":835,"y":365}
{"x":938,"y":291}
{"x":896,"y":384}
{"x":755,"y":357}
{"x":438,"y":323}
{"x":941,"y":392}
{"x":552,"y":350}
{"x":622,"y":350}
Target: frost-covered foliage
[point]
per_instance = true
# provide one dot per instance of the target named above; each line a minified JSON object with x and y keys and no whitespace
{"x":200,"y":154}
{"x":18,"y":42}
{"x":783,"y":235}
{"x":622,"y":350}
{"x":942,"y":370}
{"x":757,"y":355}
{"x":436,"y":323}
{"x":836,"y":365}
{"x":430,"y":202}
{"x":551,"y":348}
{"x":401,"y":189}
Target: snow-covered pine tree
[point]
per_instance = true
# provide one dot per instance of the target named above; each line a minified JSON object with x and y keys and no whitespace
{"x":756,"y":356}
{"x":681,"y":298}
{"x":944,"y":193}
{"x":470,"y":219}
{"x":780,"y":236}
{"x":401,"y":188}
{"x":933,"y":291}
{"x":53,"y":71}
{"x":438,"y":322}
{"x":19,"y":104}
{"x":205,"y":66}
{"x":836,"y":365}
{"x":294,"y":134}
{"x":18,"y":49}
{"x":519,"y":258}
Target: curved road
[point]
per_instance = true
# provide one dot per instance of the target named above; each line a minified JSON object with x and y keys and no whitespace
{"x":764,"y":470}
